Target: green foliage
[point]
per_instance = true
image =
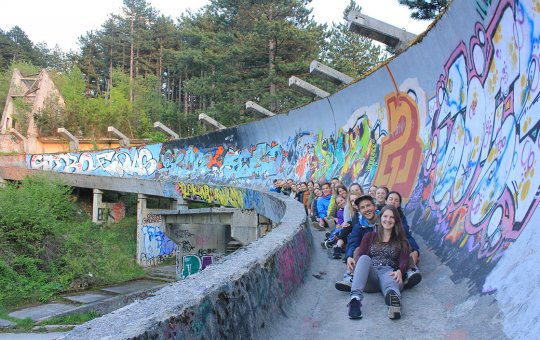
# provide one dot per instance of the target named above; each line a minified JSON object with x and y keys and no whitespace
{"x":424,"y":9}
{"x":348,"y":52}
{"x":70,"y":319}
{"x":45,"y":245}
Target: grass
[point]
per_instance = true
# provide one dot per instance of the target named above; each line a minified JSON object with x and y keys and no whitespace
{"x":48,"y":248}
{"x":71,"y":319}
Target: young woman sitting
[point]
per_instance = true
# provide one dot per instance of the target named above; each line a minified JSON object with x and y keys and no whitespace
{"x":380,"y":261}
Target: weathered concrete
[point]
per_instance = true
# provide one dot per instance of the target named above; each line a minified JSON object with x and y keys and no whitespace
{"x":328,"y":73}
{"x":32,"y":336}
{"x":254,"y":107}
{"x":451,"y":123}
{"x":435,"y":309}
{"x":123,"y":139}
{"x":73,"y":141}
{"x":86,"y":298}
{"x":6,"y":323}
{"x":42,"y":312}
{"x":234,"y":297}
{"x":96,"y":204}
{"x":209,"y":121}
{"x":163,"y":128}
{"x":306,"y":88}
{"x":132,"y":287}
{"x":372,"y":28}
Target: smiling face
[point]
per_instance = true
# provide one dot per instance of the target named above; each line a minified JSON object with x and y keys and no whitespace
{"x":380,"y":195}
{"x":326,"y":190}
{"x":340,"y":201}
{"x":356,"y":189}
{"x":388,"y":220}
{"x":352,"y":198}
{"x":367,"y":209}
{"x":372,"y":191}
{"x":317,"y":192}
{"x":342,"y":192}
{"x":393,"y":199}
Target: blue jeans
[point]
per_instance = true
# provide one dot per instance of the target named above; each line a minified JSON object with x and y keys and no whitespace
{"x":371,"y":279}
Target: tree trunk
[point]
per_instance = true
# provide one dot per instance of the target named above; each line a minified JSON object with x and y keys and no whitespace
{"x":271,"y":72}
{"x":131,"y":65}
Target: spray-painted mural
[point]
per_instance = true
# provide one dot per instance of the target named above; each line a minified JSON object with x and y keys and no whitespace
{"x":155,"y":245}
{"x":459,"y":139}
{"x":478,"y":184}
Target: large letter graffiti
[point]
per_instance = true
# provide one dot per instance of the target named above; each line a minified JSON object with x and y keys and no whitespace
{"x":484,"y":148}
{"x":401,"y":154}
{"x":135,"y":161}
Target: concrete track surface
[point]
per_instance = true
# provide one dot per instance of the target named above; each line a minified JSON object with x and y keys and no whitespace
{"x":452,"y":123}
{"x":437,"y":308}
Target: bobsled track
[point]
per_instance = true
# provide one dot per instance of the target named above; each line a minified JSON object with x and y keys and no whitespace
{"x":452,"y":123}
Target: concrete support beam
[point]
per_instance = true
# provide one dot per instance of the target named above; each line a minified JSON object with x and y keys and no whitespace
{"x":163,"y":128}
{"x":396,"y":38}
{"x":141,"y":209}
{"x":21,"y":138}
{"x":209,"y":121}
{"x":96,"y":204}
{"x":179,"y":204}
{"x":124,"y":141}
{"x":306,"y":88}
{"x":73,"y":142}
{"x":3,"y":182}
{"x":254,"y":107}
{"x":328,"y":73}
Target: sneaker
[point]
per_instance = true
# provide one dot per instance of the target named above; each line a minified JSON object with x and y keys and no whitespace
{"x":355,"y":311}
{"x":344,"y":286}
{"x":330,"y":244}
{"x":317,"y":226}
{"x":327,"y":234}
{"x":394,"y":305}
{"x":412,"y":278}
{"x":337,"y":253}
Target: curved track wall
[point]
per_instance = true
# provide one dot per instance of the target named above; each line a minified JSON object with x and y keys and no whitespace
{"x":452,"y":123}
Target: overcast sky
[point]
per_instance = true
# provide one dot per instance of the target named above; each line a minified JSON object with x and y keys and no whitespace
{"x":61,"y":22}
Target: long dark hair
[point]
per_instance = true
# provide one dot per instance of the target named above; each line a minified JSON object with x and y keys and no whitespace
{"x":398,"y":236}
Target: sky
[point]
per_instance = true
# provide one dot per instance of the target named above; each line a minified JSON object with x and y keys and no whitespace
{"x":62,"y":22}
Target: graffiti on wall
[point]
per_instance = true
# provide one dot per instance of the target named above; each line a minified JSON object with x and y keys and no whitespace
{"x":111,"y":212}
{"x":136,"y":161}
{"x":156,"y":246}
{"x":226,"y":196}
{"x":478,"y":172}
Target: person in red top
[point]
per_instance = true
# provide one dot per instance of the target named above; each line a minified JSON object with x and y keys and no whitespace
{"x":379,"y":264}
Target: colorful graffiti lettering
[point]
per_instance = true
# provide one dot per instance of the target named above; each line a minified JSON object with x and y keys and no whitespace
{"x":226,"y":196}
{"x":192,"y":264}
{"x":156,"y":244}
{"x":136,"y":161}
{"x":484,"y":146}
{"x":401,"y":149}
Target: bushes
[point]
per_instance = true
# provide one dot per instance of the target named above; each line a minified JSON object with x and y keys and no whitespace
{"x":45,"y":245}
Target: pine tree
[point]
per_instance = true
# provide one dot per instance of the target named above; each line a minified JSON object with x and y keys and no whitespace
{"x":349,"y":52}
{"x":424,"y":9}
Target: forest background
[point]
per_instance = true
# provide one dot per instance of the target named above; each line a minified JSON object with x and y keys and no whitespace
{"x":141,"y":66}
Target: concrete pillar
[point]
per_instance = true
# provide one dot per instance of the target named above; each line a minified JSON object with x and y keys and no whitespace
{"x":141,"y":210}
{"x":306,"y":88}
{"x":390,"y":35}
{"x":244,"y":226}
{"x":179,"y":204}
{"x":2,"y":183}
{"x":328,"y":73}
{"x":73,"y":142}
{"x":207,"y":120}
{"x":163,"y":128}
{"x":21,"y":138}
{"x":254,"y":107}
{"x":124,"y":141}
{"x":96,"y":206}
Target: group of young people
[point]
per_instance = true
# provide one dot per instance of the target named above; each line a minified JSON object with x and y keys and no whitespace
{"x":368,"y":232}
